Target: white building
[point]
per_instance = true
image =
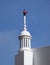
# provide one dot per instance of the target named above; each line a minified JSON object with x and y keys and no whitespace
{"x":28,"y":56}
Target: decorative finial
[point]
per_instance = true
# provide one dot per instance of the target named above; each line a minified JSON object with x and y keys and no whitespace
{"x":25,"y":12}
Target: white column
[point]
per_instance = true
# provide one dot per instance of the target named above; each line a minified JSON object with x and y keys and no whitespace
{"x":20,"y":44}
{"x":26,"y":42}
{"x":29,"y":43}
{"x":23,"y":42}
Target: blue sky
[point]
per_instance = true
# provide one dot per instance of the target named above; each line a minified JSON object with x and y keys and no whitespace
{"x":11,"y":24}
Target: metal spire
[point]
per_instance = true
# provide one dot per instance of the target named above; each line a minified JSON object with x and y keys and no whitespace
{"x":24,"y":13}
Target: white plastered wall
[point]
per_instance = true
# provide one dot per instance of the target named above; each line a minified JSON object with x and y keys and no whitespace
{"x":24,"y":58}
{"x":19,"y":59}
{"x":28,"y":58}
{"x":41,"y":56}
